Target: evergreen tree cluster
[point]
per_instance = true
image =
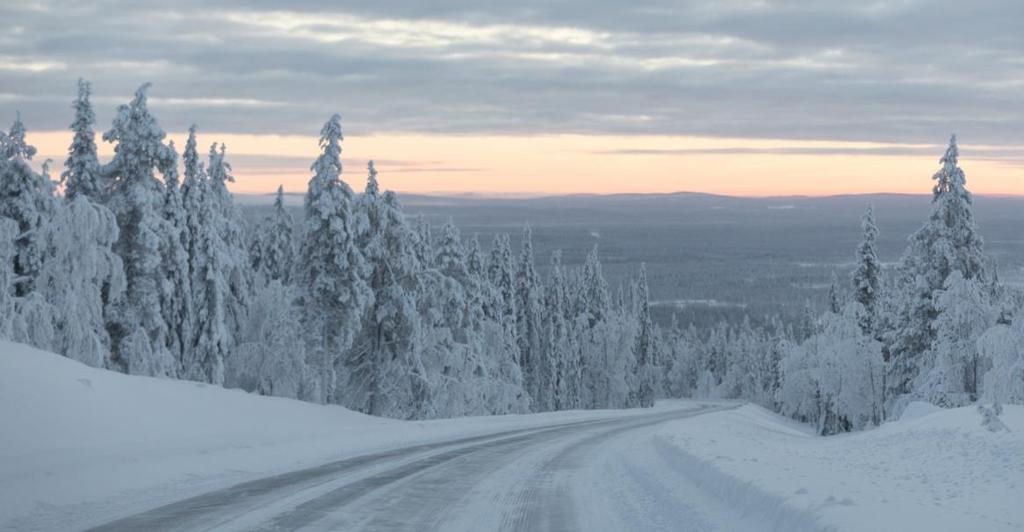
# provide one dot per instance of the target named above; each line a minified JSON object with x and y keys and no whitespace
{"x":141,"y":265}
{"x":128,"y":266}
{"x":938,"y":327}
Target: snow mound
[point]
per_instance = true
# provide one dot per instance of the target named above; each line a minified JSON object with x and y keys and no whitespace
{"x":918,"y":409}
{"x":932,"y":470}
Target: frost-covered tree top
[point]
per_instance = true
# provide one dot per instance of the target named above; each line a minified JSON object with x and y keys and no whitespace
{"x":327,"y":167}
{"x":13,"y":144}
{"x":219,"y":171}
{"x":82,"y":174}
{"x":26,"y":198}
{"x":279,"y":199}
{"x":191,"y":157}
{"x":372,"y":188}
{"x":451,"y":256}
{"x":139,"y":148}
{"x":949,"y":239}
{"x":950,"y":179}
{"x":867,"y":276}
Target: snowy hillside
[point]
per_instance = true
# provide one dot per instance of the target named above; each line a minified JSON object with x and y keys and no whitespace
{"x":81,"y":445}
{"x":933,"y":470}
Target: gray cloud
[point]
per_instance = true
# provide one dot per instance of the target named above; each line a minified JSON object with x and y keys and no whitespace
{"x":894,"y":71}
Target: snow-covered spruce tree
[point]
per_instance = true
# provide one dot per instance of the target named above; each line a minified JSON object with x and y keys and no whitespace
{"x":497,"y":344}
{"x":236,"y":267}
{"x":26,"y":196}
{"x":424,"y":241}
{"x":210,"y":264}
{"x":272,"y":253}
{"x":270,"y":358}
{"x":82,"y":172}
{"x":647,"y":365}
{"x":955,"y":366}
{"x":385,"y":373}
{"x":500,"y":271}
{"x":868,"y":275}
{"x":176,"y":294}
{"x":138,"y":330}
{"x":452,"y":355}
{"x":331,"y":270}
{"x":557,"y":354}
{"x":683,"y":360}
{"x":606,"y":344}
{"x":528,"y":299}
{"x":79,"y":274}
{"x":501,"y":274}
{"x":850,"y":365}
{"x":948,"y":242}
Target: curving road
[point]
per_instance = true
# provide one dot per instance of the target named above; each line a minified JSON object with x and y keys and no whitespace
{"x":567,"y":476}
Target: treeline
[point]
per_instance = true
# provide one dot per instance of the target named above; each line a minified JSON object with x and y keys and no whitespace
{"x":141,"y":265}
{"x":938,"y":327}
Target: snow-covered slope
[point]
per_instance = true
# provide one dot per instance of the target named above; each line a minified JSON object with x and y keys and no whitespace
{"x":933,"y":470}
{"x":79,"y":445}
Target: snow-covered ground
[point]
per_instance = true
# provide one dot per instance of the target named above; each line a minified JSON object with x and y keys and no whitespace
{"x":932,"y":470}
{"x":82,"y":446}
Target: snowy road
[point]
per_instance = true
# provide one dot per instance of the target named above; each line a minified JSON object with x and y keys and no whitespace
{"x":556,"y":477}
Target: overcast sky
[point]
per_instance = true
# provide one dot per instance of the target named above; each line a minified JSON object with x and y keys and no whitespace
{"x":891,"y":72}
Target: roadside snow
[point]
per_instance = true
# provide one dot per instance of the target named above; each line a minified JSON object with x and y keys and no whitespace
{"x":80,"y":446}
{"x":933,"y":470}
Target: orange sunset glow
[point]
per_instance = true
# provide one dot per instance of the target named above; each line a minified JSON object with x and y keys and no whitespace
{"x":600,"y":164}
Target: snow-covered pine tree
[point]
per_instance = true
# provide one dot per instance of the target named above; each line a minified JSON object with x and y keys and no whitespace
{"x":424,"y":241}
{"x":835,"y":296}
{"x":176,"y":294}
{"x":867,"y":277}
{"x":496,"y":344}
{"x":80,"y":274}
{"x":528,"y":299}
{"x":954,"y":369}
{"x":404,"y":389}
{"x":647,"y":365}
{"x":557,"y":361}
{"x":948,"y":242}
{"x":138,"y":331}
{"x":26,"y":196}
{"x":331,"y":271}
{"x":236,"y":269}
{"x":210,"y":265}
{"x":275,"y":241}
{"x":386,"y":376}
{"x":82,"y":172}
{"x":593,"y":331}
{"x":270,"y":358}
{"x":500,"y":272}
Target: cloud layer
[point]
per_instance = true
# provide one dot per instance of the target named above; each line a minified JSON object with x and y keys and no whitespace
{"x":887,"y":71}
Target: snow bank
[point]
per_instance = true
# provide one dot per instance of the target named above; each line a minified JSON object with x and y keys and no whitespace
{"x":80,"y":446}
{"x":938,"y":470}
{"x":918,"y":409}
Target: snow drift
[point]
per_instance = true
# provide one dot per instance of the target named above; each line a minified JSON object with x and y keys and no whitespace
{"x":932,"y":470}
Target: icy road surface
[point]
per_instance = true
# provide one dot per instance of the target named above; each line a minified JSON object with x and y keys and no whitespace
{"x":529,"y":479}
